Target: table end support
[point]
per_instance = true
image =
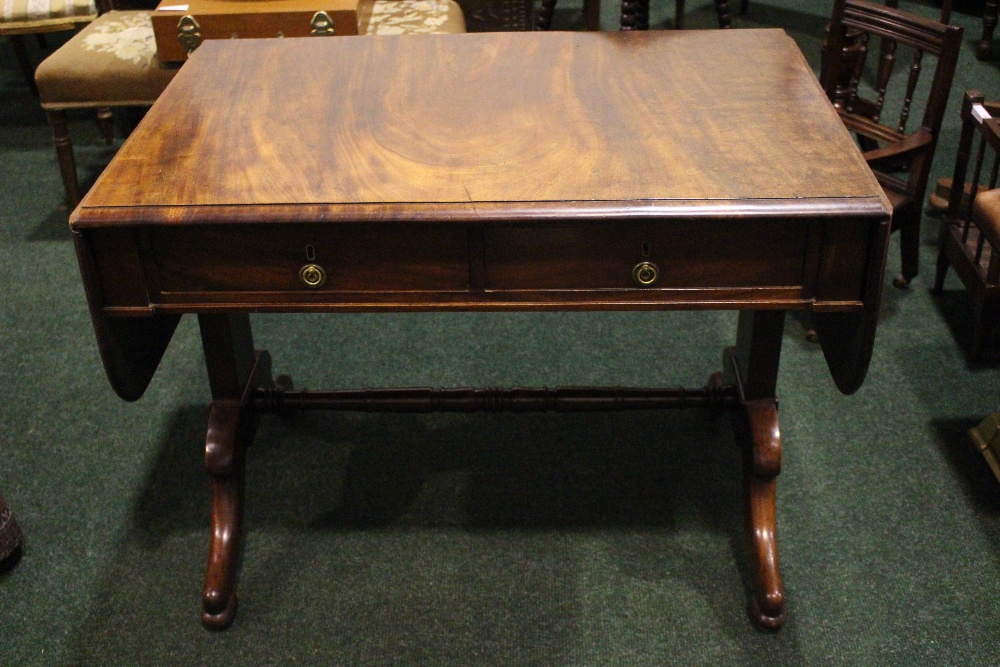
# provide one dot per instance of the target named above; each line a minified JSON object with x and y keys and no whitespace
{"x":225,"y":447}
{"x":752,"y":365}
{"x":236,"y":371}
{"x":762,"y":463}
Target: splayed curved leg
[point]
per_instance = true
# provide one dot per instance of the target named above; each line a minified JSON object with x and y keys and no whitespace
{"x":235,"y":370}
{"x":224,"y":460}
{"x":752,"y":365}
{"x":762,"y":463}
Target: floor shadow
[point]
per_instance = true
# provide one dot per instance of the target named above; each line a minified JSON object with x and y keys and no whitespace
{"x":328,"y":470}
{"x":967,"y":463}
{"x":501,"y":506}
{"x":54,"y":227}
{"x":974,"y":476}
{"x":956,"y":310}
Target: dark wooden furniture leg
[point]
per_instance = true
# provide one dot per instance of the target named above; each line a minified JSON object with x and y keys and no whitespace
{"x":64,"y":154}
{"x":106,"y":121}
{"x":989,"y":25}
{"x":24,"y":61}
{"x":543,"y":21}
{"x":234,"y":371}
{"x":722,"y":11}
{"x":592,"y":15}
{"x":752,"y":365}
{"x":635,"y":15}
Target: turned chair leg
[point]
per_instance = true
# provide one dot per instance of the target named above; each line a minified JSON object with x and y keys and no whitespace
{"x":635,"y":15}
{"x":941,"y":270}
{"x":722,"y":11}
{"x":24,"y":61}
{"x":544,"y":19}
{"x":107,"y":124}
{"x":909,"y":244}
{"x":64,"y":153}
{"x":592,"y":15}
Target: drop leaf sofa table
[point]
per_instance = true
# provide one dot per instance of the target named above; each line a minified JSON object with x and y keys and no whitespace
{"x":492,"y":171}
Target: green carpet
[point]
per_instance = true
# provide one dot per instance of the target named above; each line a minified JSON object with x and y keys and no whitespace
{"x":568,"y":539}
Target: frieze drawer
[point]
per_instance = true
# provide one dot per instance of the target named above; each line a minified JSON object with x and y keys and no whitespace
{"x":661,"y":254}
{"x":309,"y":258}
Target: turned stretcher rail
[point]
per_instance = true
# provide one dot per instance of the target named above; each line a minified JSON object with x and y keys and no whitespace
{"x":496,"y":399}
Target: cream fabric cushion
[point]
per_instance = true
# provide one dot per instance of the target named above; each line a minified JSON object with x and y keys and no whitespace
{"x":986,"y":213}
{"x":31,"y":15}
{"x":399,"y":17}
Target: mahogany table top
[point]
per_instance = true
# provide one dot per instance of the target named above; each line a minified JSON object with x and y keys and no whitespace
{"x":489,"y":125}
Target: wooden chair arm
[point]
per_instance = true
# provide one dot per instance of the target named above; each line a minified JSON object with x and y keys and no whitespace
{"x":891,"y":154}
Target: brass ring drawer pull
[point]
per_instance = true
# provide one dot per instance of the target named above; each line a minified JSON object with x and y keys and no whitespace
{"x":645,"y":274}
{"x":312,"y":275}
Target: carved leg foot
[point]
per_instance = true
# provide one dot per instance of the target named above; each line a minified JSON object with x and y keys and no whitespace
{"x":762,"y":463}
{"x":225,"y":447}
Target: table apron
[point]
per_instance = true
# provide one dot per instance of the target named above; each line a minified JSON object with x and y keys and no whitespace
{"x":769,"y":263}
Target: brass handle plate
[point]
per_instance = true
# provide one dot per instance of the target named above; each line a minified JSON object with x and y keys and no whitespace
{"x":645,"y":274}
{"x":189,"y":33}
{"x":312,"y":275}
{"x":322,"y":24}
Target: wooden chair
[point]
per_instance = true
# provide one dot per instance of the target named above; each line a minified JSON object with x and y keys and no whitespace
{"x":945,"y":10}
{"x":901,"y":158}
{"x":112,"y":63}
{"x":22,"y":17}
{"x":970,"y":228}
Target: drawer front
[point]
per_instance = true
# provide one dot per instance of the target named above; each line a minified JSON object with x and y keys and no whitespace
{"x":309,"y":258}
{"x":685,"y":255}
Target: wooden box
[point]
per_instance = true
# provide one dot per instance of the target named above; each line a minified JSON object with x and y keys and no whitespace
{"x":181,"y":25}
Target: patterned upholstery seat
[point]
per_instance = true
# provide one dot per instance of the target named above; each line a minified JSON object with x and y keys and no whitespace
{"x":399,"y":17}
{"x":112,"y":63}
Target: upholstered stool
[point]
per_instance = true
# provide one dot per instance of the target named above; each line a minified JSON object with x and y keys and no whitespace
{"x":26,"y":17}
{"x":112,"y":63}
